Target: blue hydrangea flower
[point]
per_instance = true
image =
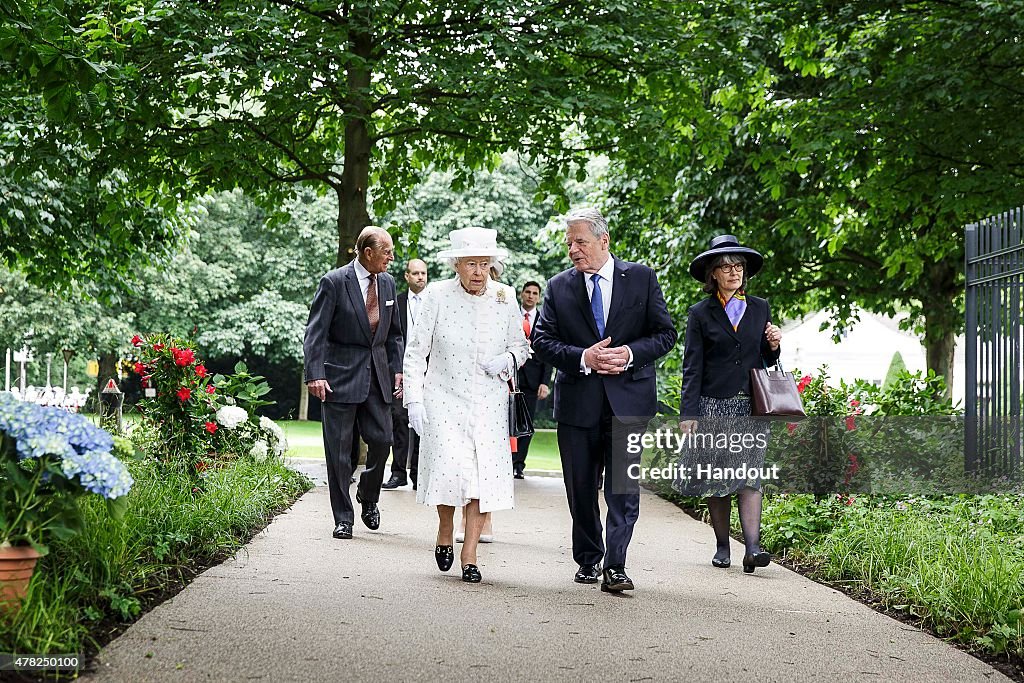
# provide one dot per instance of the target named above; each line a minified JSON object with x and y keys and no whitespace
{"x":98,"y":472}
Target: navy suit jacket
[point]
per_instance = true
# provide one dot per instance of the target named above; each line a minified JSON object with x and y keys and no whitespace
{"x":638,"y":318}
{"x":338,"y":346}
{"x":534,"y":372}
{"x":717,"y":359}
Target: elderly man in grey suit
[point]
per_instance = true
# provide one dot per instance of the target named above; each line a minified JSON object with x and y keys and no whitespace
{"x":353,"y":350}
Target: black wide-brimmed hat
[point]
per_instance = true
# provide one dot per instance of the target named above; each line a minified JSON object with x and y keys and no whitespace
{"x":720,"y":246}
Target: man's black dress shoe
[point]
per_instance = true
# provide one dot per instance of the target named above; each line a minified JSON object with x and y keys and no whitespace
{"x":444,"y":555}
{"x":343,"y":530}
{"x":394,"y":482}
{"x":518,"y":475}
{"x":414,"y":486}
{"x":761,"y":559}
{"x":588,"y":573}
{"x":470,"y":573}
{"x":615,"y":580}
{"x":370,"y":514}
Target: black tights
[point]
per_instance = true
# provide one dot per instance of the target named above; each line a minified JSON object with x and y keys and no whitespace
{"x":720,"y":510}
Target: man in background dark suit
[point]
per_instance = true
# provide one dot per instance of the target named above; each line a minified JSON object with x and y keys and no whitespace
{"x":405,"y":453}
{"x":353,"y":363}
{"x":603,"y":325}
{"x":534,"y":376}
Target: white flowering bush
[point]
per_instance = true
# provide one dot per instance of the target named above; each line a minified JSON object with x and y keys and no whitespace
{"x":230,"y":417}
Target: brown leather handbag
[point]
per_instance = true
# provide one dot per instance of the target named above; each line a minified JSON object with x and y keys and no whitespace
{"x":774,"y":393}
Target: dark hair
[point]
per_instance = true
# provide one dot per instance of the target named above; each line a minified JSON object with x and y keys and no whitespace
{"x":710,"y":286}
{"x":530,"y":283}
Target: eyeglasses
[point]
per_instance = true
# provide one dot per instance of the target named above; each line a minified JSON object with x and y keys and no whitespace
{"x":731,"y":268}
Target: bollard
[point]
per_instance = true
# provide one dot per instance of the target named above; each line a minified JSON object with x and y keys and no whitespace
{"x":111,"y":400}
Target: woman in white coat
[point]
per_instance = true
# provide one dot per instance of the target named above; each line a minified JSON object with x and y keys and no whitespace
{"x":458,"y":403}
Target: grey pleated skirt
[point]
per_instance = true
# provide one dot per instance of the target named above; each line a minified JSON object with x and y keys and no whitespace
{"x":727,"y":445}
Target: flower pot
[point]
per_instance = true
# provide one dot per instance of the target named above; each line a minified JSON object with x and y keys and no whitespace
{"x":16,"y":566}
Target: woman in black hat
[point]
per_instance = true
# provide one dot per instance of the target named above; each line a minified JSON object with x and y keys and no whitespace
{"x":727,"y":334}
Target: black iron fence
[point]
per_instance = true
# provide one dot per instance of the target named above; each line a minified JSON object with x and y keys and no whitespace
{"x":994,"y":338}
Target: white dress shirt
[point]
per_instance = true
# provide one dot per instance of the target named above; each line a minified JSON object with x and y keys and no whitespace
{"x":363,"y":275}
{"x":607,"y":281}
{"x":414,"y":309}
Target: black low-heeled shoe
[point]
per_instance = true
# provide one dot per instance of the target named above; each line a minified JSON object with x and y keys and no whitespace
{"x":724,"y":563}
{"x":761,"y":559}
{"x":470,"y":573}
{"x":445,"y":557}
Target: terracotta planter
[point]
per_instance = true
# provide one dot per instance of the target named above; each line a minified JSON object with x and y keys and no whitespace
{"x":16,"y":566}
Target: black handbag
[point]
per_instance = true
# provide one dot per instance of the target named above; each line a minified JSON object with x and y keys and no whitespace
{"x":520,"y":423}
{"x":774,"y":393}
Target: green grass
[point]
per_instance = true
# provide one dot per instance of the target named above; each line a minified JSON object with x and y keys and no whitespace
{"x":305,"y":440}
{"x":115,"y":567}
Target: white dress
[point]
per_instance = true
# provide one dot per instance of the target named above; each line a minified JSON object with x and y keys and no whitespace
{"x":464,"y":450}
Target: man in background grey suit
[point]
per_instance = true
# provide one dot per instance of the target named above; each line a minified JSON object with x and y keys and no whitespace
{"x":353,"y":350}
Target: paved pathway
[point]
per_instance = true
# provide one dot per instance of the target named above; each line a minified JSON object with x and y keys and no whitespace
{"x":297,"y":605}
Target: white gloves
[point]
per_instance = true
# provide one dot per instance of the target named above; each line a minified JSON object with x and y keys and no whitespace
{"x":417,"y":417}
{"x":496,"y":365}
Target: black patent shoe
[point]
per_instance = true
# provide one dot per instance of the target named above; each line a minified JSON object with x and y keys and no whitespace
{"x":343,"y":530}
{"x":721,"y":563}
{"x":761,"y":559}
{"x":588,"y":573}
{"x":616,"y":581}
{"x":470,"y":573}
{"x":370,"y":514}
{"x":445,"y":557}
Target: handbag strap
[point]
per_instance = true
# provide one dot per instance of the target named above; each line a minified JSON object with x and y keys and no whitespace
{"x":513,"y":380}
{"x":777,"y":365}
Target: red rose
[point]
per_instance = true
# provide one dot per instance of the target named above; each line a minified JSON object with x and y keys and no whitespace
{"x":201,"y":370}
{"x":802,"y":384}
{"x":184,"y":394}
{"x":158,"y":347}
{"x":136,"y":340}
{"x":211,"y":427}
{"x":210,"y":389}
{"x":140,"y":369}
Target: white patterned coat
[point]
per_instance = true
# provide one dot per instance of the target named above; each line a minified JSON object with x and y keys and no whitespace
{"x":464,"y":450}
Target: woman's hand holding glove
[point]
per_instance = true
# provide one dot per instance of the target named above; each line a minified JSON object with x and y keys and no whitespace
{"x":496,"y":365}
{"x":417,"y":417}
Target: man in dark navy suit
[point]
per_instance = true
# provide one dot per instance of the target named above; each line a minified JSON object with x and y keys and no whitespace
{"x":353,"y":363}
{"x":603,"y":325}
{"x":405,"y":453}
{"x":534,"y":376}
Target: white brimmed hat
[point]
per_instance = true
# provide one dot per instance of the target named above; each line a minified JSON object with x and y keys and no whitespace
{"x":473,"y":242}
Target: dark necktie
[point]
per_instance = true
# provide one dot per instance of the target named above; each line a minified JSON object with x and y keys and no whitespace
{"x":372,"y":307}
{"x":597,"y":304}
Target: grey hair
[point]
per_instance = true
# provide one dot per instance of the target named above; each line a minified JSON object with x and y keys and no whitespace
{"x":592,"y":217}
{"x":710,"y":286}
{"x":454,"y":260}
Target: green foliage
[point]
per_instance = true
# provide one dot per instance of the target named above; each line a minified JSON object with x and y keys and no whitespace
{"x":119,"y":566}
{"x":247,"y":390}
{"x":955,"y":563}
{"x":896,"y":366}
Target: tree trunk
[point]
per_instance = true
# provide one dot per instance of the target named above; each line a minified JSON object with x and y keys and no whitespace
{"x":352,"y":213}
{"x":303,"y":403}
{"x":943,"y":320}
{"x":107,"y":370}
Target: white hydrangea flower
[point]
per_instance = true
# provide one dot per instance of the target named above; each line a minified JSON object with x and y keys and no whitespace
{"x":279,"y":440}
{"x":231,"y":416}
{"x":259,"y":451}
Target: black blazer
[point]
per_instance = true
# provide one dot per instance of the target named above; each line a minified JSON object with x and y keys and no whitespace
{"x":716,"y":359}
{"x":638,"y":318}
{"x":534,"y":372}
{"x":337,"y":346}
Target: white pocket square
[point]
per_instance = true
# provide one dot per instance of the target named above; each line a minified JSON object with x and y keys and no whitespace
{"x":389,"y":302}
